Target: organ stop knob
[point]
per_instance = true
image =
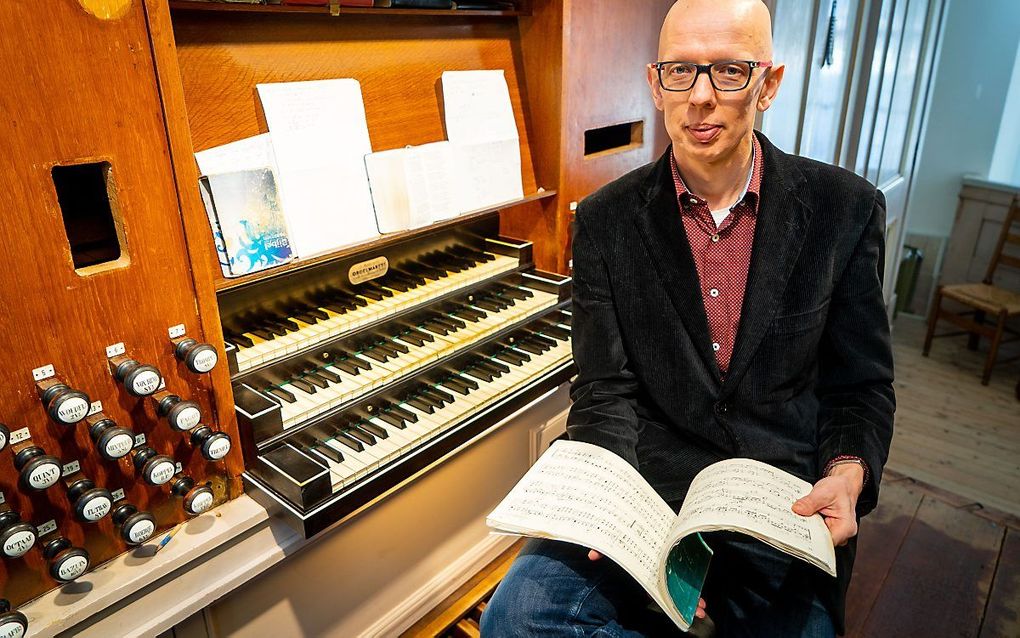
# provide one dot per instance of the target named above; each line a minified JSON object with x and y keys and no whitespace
{"x":16,"y":536}
{"x":66,"y":562}
{"x":112,"y":441}
{"x":135,"y":526}
{"x":5,"y":437}
{"x":180,"y":414}
{"x":197,"y":498}
{"x":155,"y":468}
{"x":199,"y":357}
{"x":139,"y":379}
{"x":39,"y":470}
{"x":13,"y":624}
{"x":90,"y":503}
{"x":213,"y":445}
{"x":64,"y":404}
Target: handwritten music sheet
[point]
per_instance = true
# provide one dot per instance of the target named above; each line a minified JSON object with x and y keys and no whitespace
{"x":584,"y":494}
{"x":755,"y":498}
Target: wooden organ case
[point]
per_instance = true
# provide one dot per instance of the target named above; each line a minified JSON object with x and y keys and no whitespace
{"x":335,"y":393}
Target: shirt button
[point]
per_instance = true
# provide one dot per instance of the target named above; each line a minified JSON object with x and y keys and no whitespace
{"x":715,"y":347}
{"x":715,"y":238}
{"x":714,"y":292}
{"x":694,"y":200}
{"x":721,"y":407}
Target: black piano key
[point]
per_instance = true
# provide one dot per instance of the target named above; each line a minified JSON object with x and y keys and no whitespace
{"x":555,"y":332}
{"x":471,"y":383}
{"x":437,"y":328}
{"x":513,"y":358}
{"x":394,"y":283}
{"x":280,"y":393}
{"x":387,"y":348}
{"x":492,"y":363}
{"x":428,"y":272}
{"x":426,"y":395}
{"x":527,"y":346}
{"x":272,"y":328}
{"x":305,"y":317}
{"x":479,"y":373}
{"x":420,"y":404}
{"x":347,"y":366}
{"x":330,"y":453}
{"x":424,"y":336}
{"x":402,"y":413}
{"x":368,"y":293}
{"x":373,"y":429}
{"x":262,"y":334}
{"x":364,"y":364}
{"x":329,"y":375}
{"x":304,"y":386}
{"x":514,"y":292}
{"x":315,"y":380}
{"x":411,"y":338}
{"x":408,"y":276}
{"x":361,"y":435}
{"x":442,"y":394}
{"x":485,"y":304}
{"x":390,"y":417}
{"x":379,"y":289}
{"x":315,"y":312}
{"x":544,"y":340}
{"x":488,"y":367}
{"x":342,"y":437}
{"x":399,"y":347}
{"x":455,"y":322}
{"x":375,"y":355}
{"x":239,"y":340}
{"x":456,"y":385}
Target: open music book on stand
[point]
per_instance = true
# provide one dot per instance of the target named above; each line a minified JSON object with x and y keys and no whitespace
{"x":585,"y":494}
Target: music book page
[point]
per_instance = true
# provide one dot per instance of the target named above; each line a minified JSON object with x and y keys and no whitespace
{"x":585,"y":494}
{"x":320,"y":138}
{"x":755,"y":498}
{"x":477,"y":107}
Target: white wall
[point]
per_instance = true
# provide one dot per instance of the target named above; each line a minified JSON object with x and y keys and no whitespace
{"x":972,"y":81}
{"x":1006,"y":161}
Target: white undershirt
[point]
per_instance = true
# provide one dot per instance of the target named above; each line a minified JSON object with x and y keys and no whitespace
{"x":720,"y":215}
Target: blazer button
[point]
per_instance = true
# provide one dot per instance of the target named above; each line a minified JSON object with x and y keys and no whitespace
{"x":721,"y":407}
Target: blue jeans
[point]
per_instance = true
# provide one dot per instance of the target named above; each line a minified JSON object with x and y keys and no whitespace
{"x":552,"y":589}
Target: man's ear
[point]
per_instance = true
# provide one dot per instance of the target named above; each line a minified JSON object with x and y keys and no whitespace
{"x":771,"y":88}
{"x":652,"y":75}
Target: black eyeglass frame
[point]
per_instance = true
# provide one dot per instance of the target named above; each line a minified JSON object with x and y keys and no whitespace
{"x":707,"y":69}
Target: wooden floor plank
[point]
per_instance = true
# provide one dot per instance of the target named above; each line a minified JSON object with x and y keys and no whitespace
{"x":1002,"y":616}
{"x":939,"y":583}
{"x":881,"y":534}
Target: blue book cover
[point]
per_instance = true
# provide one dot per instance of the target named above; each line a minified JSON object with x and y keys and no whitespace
{"x":250,"y":221}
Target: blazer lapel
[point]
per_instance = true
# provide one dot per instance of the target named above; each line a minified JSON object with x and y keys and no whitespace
{"x":778,"y":238}
{"x":662,"y":231}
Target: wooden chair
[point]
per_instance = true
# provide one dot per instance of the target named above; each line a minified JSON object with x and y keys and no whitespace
{"x":985,"y":299}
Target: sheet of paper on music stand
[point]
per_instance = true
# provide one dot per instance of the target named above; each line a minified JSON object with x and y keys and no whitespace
{"x":488,"y":174}
{"x":243,"y":155}
{"x":477,"y":107}
{"x":413,"y":187}
{"x":320,"y":138}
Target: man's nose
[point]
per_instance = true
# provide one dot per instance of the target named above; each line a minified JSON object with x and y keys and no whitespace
{"x":703,"y":93}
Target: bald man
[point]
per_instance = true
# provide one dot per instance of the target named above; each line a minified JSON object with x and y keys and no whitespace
{"x":727,"y":303}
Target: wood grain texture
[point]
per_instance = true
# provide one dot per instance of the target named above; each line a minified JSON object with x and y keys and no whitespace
{"x":90,"y":94}
{"x":1002,"y":615}
{"x":918,"y":600}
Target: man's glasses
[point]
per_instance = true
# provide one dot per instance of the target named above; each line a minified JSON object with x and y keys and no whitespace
{"x":732,"y":75}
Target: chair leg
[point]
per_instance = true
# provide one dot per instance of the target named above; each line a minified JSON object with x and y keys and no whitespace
{"x":994,"y":350}
{"x":975,"y":337}
{"x":933,"y":318}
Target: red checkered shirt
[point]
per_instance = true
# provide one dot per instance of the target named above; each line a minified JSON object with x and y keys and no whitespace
{"x":722,"y":255}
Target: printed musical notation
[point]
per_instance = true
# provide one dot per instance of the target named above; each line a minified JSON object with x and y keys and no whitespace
{"x":622,"y":517}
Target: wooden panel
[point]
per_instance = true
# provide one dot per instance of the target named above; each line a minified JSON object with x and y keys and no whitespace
{"x":398,"y":61}
{"x":881,"y":534}
{"x":88,"y":93}
{"x":1002,"y":617}
{"x":918,"y":600}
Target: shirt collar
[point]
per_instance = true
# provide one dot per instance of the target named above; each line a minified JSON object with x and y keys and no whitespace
{"x":752,"y":188}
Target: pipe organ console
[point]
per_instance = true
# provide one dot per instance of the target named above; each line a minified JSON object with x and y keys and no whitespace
{"x":140,"y":388}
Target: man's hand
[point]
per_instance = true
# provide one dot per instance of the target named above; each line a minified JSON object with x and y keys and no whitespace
{"x":835,"y":498}
{"x":698,"y":613}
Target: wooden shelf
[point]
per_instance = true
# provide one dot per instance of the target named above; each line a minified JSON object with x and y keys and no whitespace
{"x":197,"y":5}
{"x":380,"y":242}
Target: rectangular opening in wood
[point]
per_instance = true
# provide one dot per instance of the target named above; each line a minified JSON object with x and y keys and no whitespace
{"x":84,"y":193}
{"x":615,"y":138}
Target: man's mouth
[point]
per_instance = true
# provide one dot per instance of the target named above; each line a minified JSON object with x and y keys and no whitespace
{"x":704,"y":133}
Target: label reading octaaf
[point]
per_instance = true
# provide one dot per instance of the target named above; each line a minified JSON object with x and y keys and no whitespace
{"x":18,"y":544}
{"x":368,"y":270}
{"x":73,"y":567}
{"x":12,"y":630}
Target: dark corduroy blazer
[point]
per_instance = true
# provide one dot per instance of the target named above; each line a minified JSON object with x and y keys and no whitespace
{"x":811,"y":373}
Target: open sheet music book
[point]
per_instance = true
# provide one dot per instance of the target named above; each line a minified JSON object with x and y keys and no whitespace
{"x":585,"y":494}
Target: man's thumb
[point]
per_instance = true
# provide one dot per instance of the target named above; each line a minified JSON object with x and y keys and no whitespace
{"x":808,"y":505}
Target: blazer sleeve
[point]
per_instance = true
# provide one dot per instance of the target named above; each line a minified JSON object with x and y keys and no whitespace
{"x":855,"y":363}
{"x":604,"y":390}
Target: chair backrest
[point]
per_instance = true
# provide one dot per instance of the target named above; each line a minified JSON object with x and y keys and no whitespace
{"x":1008,"y":236}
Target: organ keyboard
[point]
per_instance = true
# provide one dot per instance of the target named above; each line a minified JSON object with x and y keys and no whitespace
{"x":350,"y":387}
